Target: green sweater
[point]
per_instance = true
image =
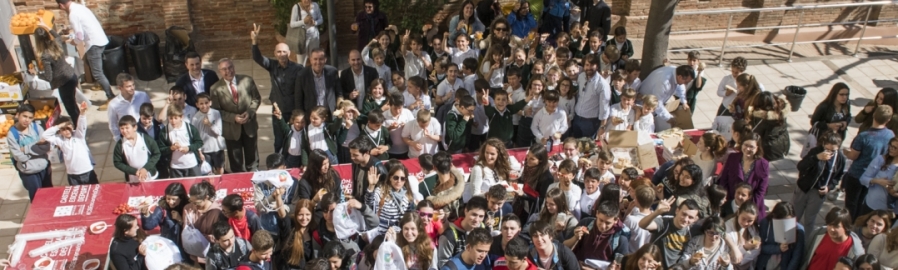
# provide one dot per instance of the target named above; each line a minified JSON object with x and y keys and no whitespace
{"x":383,"y":138}
{"x":287,"y":134}
{"x":120,"y":161}
{"x":367,"y":107}
{"x":456,"y":131}
{"x":196,"y":142}
{"x":501,"y":125}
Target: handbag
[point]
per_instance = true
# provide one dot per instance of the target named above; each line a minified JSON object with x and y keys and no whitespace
{"x":296,"y":36}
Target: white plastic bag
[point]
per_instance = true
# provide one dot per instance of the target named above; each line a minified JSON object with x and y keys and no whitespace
{"x":205,"y":169}
{"x":194,"y":242}
{"x":344,"y":225}
{"x":161,"y":252}
{"x":389,"y":257}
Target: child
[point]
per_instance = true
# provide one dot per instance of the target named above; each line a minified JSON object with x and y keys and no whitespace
{"x":618,"y":83}
{"x":525,"y":134}
{"x":549,"y":122}
{"x":398,"y":82}
{"x":549,"y":58}
{"x":513,"y":75}
{"x":416,"y":61}
{"x":414,"y":97}
{"x":500,"y":116}
{"x":594,"y":42}
{"x":433,"y":224}
{"x":151,"y":127}
{"x":294,"y":138}
{"x":375,"y":131}
{"x":632,"y":69}
{"x":610,"y":58}
{"x":446,"y":90}
{"x":538,"y":68}
{"x":622,"y":116}
{"x":438,"y":74}
{"x":74,"y":148}
{"x":567,"y":97}
{"x":376,"y":60}
{"x":462,"y":49}
{"x":562,"y":55}
{"x":208,"y":123}
{"x":376,"y":99}
{"x":320,"y":135}
{"x":565,"y":177}
{"x":469,"y":70}
{"x":493,"y":67}
{"x":742,"y":195}
{"x":29,"y":152}
{"x":602,"y":161}
{"x":645,"y":197}
{"x":176,"y":96}
{"x":135,"y":154}
{"x":552,"y":77}
{"x":423,"y":137}
{"x":695,"y":86}
{"x":181,"y":141}
{"x":456,"y":129}
{"x":480,"y":126}
{"x":622,"y":43}
{"x":591,"y":192}
{"x":571,"y":69}
{"x":519,"y":61}
{"x":645,"y":122}
{"x":396,"y":118}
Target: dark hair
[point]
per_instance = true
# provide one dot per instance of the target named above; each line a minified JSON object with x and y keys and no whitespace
{"x":320,"y":263}
{"x":262,"y":241}
{"x":25,"y":108}
{"x":620,"y":30}
{"x":175,"y":189}
{"x":497,"y":192}
{"x":146,"y":109}
{"x":568,"y":165}
{"x":126,"y":120}
{"x":315,"y":178}
{"x":608,"y":209}
{"x":714,"y":223}
{"x":479,"y":236}
{"x":781,"y":210}
{"x":885,"y":215}
{"x":426,"y":161}
{"x":592,"y":173}
{"x":690,"y":204}
{"x":469,"y":63}
{"x":838,"y":216}
{"x":122,"y":78}
{"x":461,"y":12}
{"x":190,"y":55}
{"x":716,"y":193}
{"x":333,"y":249}
{"x":686,"y":71}
{"x":442,"y":162}
{"x":631,"y":65}
{"x":461,"y":92}
{"x":274,"y":161}
{"x":740,"y":63}
{"x":204,"y":190}
{"x":512,"y":71}
{"x":829,"y":137}
{"x":63,"y":2}
{"x":512,"y":217}
{"x":517,"y":247}
{"x":362,"y":144}
{"x":369,"y":250}
{"x":889,"y":97}
{"x":328,"y":199}
{"x":695,"y":172}
{"x":62,"y":120}
{"x":752,"y":136}
{"x":396,"y":99}
{"x":202,"y":95}
{"x":221,"y":228}
{"x":847,"y":261}
{"x":543,"y":227}
{"x":476,"y":203}
{"x":375,"y":117}
{"x":551,"y":95}
{"x":539,"y":151}
{"x":122,"y":225}
{"x":232,"y":203}
{"x":610,"y":193}
{"x":466,"y":101}
{"x":417,"y":81}
{"x":592,"y":59}
{"x":631,"y":173}
{"x":176,"y":89}
{"x":885,"y":157}
{"x":830,"y":99}
{"x":424,"y":203}
{"x":481,"y":84}
{"x":867,"y":259}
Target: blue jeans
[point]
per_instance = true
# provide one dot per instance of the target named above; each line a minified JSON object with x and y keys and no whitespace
{"x":584,"y":127}
{"x":35,"y":181}
{"x":94,"y":58}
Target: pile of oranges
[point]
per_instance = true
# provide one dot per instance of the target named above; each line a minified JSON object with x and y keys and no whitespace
{"x":43,"y":113}
{"x":27,"y":19}
{"x":5,"y":125}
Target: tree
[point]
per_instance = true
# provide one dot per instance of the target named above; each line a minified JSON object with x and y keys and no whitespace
{"x":657,"y":35}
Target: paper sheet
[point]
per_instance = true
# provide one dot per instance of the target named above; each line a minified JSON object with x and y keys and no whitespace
{"x":784,"y":230}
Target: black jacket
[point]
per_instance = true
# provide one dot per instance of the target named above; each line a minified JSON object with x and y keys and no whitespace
{"x":307,"y":98}
{"x":123,"y":254}
{"x":810,"y":170}
{"x":598,"y":16}
{"x":209,"y":78}
{"x":360,"y":184}
{"x":347,"y":81}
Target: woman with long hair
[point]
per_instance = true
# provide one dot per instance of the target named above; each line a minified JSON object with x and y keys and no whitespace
{"x":885,"y":247}
{"x":202,"y":213}
{"x":688,"y":185}
{"x":500,"y":33}
{"x":167,"y":214}
{"x":747,"y":166}
{"x":667,"y":174}
{"x":742,"y":231}
{"x":555,"y":211}
{"x":417,"y":248}
{"x":126,"y":251}
{"x":296,"y":246}
{"x":872,"y":224}
{"x":834,"y":113}
{"x":867,"y":262}
{"x":775,"y":255}
{"x":392,"y":198}
{"x":465,"y":23}
{"x":536,"y":178}
{"x":320,"y":177}
{"x":886,"y":96}
{"x":748,"y":89}
{"x":717,"y":198}
{"x":54,"y":69}
{"x":648,"y":257}
{"x":768,"y":117}
{"x":708,"y":250}
{"x":878,"y":178}
{"x":493,"y":165}
{"x":712,"y":149}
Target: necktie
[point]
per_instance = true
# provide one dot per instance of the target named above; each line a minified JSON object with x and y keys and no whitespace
{"x":234,"y":92}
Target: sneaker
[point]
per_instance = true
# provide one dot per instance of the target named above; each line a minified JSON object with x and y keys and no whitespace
{"x":105,"y":106}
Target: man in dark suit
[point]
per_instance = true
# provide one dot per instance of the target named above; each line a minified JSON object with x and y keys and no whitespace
{"x":197,"y":80}
{"x":318,"y":84}
{"x":598,"y":14}
{"x":238,"y":99}
{"x":283,"y":75}
{"x":356,"y":79}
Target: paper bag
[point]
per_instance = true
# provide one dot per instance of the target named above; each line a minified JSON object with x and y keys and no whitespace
{"x":684,"y":118}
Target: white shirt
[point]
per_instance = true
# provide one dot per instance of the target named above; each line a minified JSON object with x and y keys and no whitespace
{"x":414,"y":66}
{"x":748,"y":256}
{"x":199,"y":85}
{"x":316,"y":137}
{"x":663,"y":83}
{"x":572,"y":195}
{"x":189,"y":112}
{"x":119,"y":107}
{"x":405,"y":117}
{"x":414,"y":132}
{"x":383,"y":71}
{"x":458,"y":56}
{"x":297,"y":16}
{"x":635,"y":85}
{"x":469,"y":84}
{"x":639,"y":237}
{"x":496,"y":78}
{"x":86,"y":27}
{"x":74,"y":150}
{"x":447,"y":87}
{"x":409,"y":100}
{"x":516,"y":96}
{"x":212,"y":139}
{"x":295,"y":142}
{"x":567,"y":105}
{"x":586,"y":202}
{"x":722,"y":90}
{"x":181,"y":136}
{"x":136,"y":155}
{"x":546,"y":124}
{"x":595,"y":97}
{"x":645,"y":125}
{"x":629,"y":117}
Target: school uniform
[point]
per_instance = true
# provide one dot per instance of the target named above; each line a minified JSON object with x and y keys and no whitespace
{"x":78,"y":162}
{"x":293,"y":149}
{"x":130,"y":157}
{"x":182,"y":164}
{"x":502,"y":121}
{"x":153,"y":131}
{"x":213,"y":141}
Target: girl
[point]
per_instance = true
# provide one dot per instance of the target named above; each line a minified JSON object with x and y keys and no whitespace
{"x":167,"y":215}
{"x":768,"y":117}
{"x":708,"y":250}
{"x":886,"y":96}
{"x":834,"y":113}
{"x":742,"y":231}
{"x":648,"y":257}
{"x":735,"y":142}
{"x":872,"y":224}
{"x":867,"y":262}
{"x":319,"y":178}
{"x":717,"y":198}
{"x":776,"y":255}
{"x":390,"y":199}
{"x":375,"y":58}
{"x":712,"y":150}
{"x":320,"y":135}
{"x":326,"y":232}
{"x":747,"y":88}
{"x":622,"y":114}
{"x":338,"y":130}
{"x":306,"y":14}
{"x":414,"y":96}
{"x":396,"y":117}
{"x":201,"y":214}
{"x":743,"y":194}
{"x":293,"y":136}
{"x":493,"y":67}
{"x":535,"y":91}
{"x":885,"y":247}
{"x":568,"y":97}
{"x":493,"y":166}
{"x":384,"y":41}
{"x":376,"y":99}
{"x":688,"y":185}
{"x":464,"y":24}
{"x":748,"y":166}
{"x":610,"y":193}
{"x":438,"y":74}
{"x":334,"y":252}
{"x":446,"y":89}
{"x":126,"y":251}
{"x":462,"y":49}
{"x":538,"y":68}
{"x":552,"y":77}
{"x":555,"y":211}
{"x":879,"y":177}
{"x":536,"y":178}
{"x":618,"y":84}
{"x":296,"y":247}
{"x":433,"y":224}
{"x":548,"y":58}
{"x":365,"y":259}
{"x":590,"y":194}
{"x":565,"y":177}
{"x":55,"y":69}
{"x":671,"y":171}
{"x":417,"y":248}
{"x":519,"y":59}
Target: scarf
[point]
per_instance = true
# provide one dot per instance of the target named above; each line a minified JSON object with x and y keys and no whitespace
{"x":398,"y":195}
{"x":241,"y":228}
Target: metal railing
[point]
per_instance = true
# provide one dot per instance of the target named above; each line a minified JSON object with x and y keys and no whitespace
{"x":801,"y":9}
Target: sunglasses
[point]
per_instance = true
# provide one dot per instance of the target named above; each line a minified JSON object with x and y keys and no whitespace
{"x":425,"y":215}
{"x":399,"y":178}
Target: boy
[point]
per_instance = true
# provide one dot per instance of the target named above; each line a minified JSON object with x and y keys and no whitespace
{"x":260,"y":257}
{"x":180,"y":141}
{"x":645,"y":197}
{"x":622,"y":43}
{"x":743,"y":194}
{"x":562,"y":54}
{"x":454,"y":238}
{"x":497,"y":208}
{"x":415,"y":98}
{"x":396,"y":120}
{"x":632,"y":69}
{"x":469,"y":71}
{"x":516,"y":256}
{"x":865,"y":147}
{"x":208,"y":124}
{"x":671,"y":234}
{"x":417,"y":62}
{"x":645,"y":120}
{"x":819,"y":172}
{"x":446,"y":89}
{"x":697,"y":84}
{"x":826,"y":244}
{"x":601,"y":237}
{"x":426,"y":162}
{"x":549,"y":122}
{"x":74,"y":148}
{"x":176,"y":96}
{"x":135,"y":154}
{"x":501,"y":115}
{"x":377,"y":134}
{"x":513,"y":75}
{"x":602,"y":161}
{"x":623,"y":116}
{"x":511,"y":228}
{"x":423,"y":137}
{"x":376,"y":60}
{"x":29,"y":151}
{"x":456,"y":129}
{"x":244,"y":222}
{"x":227,"y":251}
{"x":547,"y":252}
{"x":521,"y":64}
{"x":293,"y":150}
{"x":480,"y":126}
{"x":475,"y":251}
{"x":151,"y":127}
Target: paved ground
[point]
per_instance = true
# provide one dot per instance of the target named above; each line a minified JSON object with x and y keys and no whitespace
{"x":865,"y":75}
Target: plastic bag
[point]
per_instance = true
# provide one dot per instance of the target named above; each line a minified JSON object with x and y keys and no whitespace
{"x":344,"y":225}
{"x":194,"y":242}
{"x":161,"y":252}
{"x":205,"y":168}
{"x":389,"y":257}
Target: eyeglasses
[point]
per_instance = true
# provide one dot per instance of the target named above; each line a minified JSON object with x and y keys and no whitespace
{"x":712,"y":233}
{"x":399,"y":178}
{"x":425,"y":215}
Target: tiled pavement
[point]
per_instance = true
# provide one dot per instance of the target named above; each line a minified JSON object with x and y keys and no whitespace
{"x":817,"y":74}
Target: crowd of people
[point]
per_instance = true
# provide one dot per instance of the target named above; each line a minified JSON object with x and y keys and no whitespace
{"x":490,"y":83}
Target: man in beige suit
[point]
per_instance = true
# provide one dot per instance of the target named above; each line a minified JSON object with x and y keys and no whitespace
{"x":238,"y":99}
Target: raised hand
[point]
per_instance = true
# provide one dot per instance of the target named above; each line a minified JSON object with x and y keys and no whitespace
{"x":664,"y":205}
{"x":255,"y":33}
{"x":274,"y":111}
{"x":83,"y":107}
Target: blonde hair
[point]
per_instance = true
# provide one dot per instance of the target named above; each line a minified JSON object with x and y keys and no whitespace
{"x":650,"y":101}
{"x":338,"y":113}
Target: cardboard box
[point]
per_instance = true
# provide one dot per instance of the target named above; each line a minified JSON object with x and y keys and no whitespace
{"x":47,"y":109}
{"x":622,"y":143}
{"x":11,"y":93}
{"x":9,"y":107}
{"x":5,"y":121}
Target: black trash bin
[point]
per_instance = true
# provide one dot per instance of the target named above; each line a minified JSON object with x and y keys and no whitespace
{"x":144,"y":49}
{"x":114,"y":58}
{"x":795,"y":95}
{"x":177,"y":45}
